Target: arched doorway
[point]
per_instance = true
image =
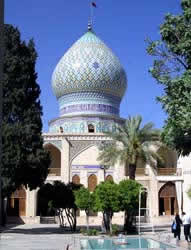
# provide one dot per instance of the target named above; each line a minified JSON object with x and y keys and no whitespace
{"x":109,"y":178}
{"x":55,"y":155}
{"x":76,"y":179}
{"x":92,"y":182}
{"x":16,"y":205}
{"x":167,"y":199}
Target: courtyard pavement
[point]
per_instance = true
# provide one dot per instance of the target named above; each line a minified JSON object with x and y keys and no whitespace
{"x":52,"y":237}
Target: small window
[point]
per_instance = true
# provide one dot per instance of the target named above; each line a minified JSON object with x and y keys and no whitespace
{"x":91,"y":128}
{"x":61,"y":130}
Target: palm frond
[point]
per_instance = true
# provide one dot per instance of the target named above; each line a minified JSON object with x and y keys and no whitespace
{"x":131,"y":143}
{"x":108,"y":153}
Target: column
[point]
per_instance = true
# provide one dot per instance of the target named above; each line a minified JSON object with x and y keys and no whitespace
{"x":31,"y":203}
{"x":65,"y":164}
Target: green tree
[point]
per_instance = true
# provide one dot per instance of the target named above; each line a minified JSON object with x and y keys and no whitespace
{"x":107,"y":201}
{"x":172,"y":69}
{"x":85,"y":201}
{"x":24,"y":160}
{"x":129,"y":201}
{"x":45,"y":195}
{"x":129,"y":144}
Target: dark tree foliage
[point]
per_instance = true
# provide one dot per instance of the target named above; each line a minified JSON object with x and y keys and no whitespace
{"x":172,"y":69}
{"x":24,"y":161}
{"x":61,"y":198}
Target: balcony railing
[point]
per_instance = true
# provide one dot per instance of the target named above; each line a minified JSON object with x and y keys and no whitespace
{"x":140,"y":171}
{"x":54,"y":172}
{"x":159,"y":171}
{"x":167,"y":171}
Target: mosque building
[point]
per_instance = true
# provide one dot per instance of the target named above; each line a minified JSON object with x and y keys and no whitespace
{"x":89,"y":83}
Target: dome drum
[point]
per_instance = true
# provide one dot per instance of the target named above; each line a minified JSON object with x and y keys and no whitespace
{"x":81,"y":124}
{"x":89,"y":109}
{"x":89,"y":103}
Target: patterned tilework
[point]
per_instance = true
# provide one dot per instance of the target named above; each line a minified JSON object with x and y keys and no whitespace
{"x":89,"y":65}
{"x":83,"y":97}
{"x":81,"y":125}
{"x":79,"y":146}
{"x":89,"y":108}
{"x":89,"y":102}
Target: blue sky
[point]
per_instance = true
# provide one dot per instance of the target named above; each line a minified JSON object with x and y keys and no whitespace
{"x":123,"y":25}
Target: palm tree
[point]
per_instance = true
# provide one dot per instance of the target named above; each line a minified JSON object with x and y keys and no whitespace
{"x":131,"y":143}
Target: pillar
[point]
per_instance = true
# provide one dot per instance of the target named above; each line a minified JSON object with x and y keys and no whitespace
{"x":65,"y":163}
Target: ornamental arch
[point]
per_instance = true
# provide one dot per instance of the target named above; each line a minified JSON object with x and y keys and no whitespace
{"x":55,"y":155}
{"x":86,"y":160}
{"x":86,"y":156}
{"x":167,"y":199}
{"x":109,"y":178}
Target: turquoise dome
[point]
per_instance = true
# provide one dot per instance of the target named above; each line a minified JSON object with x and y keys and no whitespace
{"x":89,"y":73}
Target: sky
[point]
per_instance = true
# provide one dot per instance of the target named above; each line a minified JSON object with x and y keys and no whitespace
{"x":123,"y":25}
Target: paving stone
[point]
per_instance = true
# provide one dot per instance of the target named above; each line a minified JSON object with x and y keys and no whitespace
{"x":51,"y":237}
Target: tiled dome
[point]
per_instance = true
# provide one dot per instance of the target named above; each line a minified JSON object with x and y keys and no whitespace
{"x":89,"y":68}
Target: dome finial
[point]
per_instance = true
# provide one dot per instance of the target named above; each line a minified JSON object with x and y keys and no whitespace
{"x":90,"y":22}
{"x":89,"y":25}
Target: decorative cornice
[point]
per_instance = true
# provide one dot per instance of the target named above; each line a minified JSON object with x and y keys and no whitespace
{"x":169,"y":178}
{"x":85,"y":116}
{"x":76,"y":137}
{"x":97,"y":167}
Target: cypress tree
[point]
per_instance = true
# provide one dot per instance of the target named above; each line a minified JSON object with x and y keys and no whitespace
{"x":24,"y":161}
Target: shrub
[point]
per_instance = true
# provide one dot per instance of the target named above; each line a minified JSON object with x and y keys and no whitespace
{"x":83,"y":231}
{"x":92,"y":232}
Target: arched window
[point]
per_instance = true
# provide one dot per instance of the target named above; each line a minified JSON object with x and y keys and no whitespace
{"x":55,"y":155}
{"x":92,"y":182}
{"x":61,"y":130}
{"x":91,"y":128}
{"x":109,"y":178}
{"x":76,"y":179}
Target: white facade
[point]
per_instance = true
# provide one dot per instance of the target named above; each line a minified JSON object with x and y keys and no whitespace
{"x":83,"y":163}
